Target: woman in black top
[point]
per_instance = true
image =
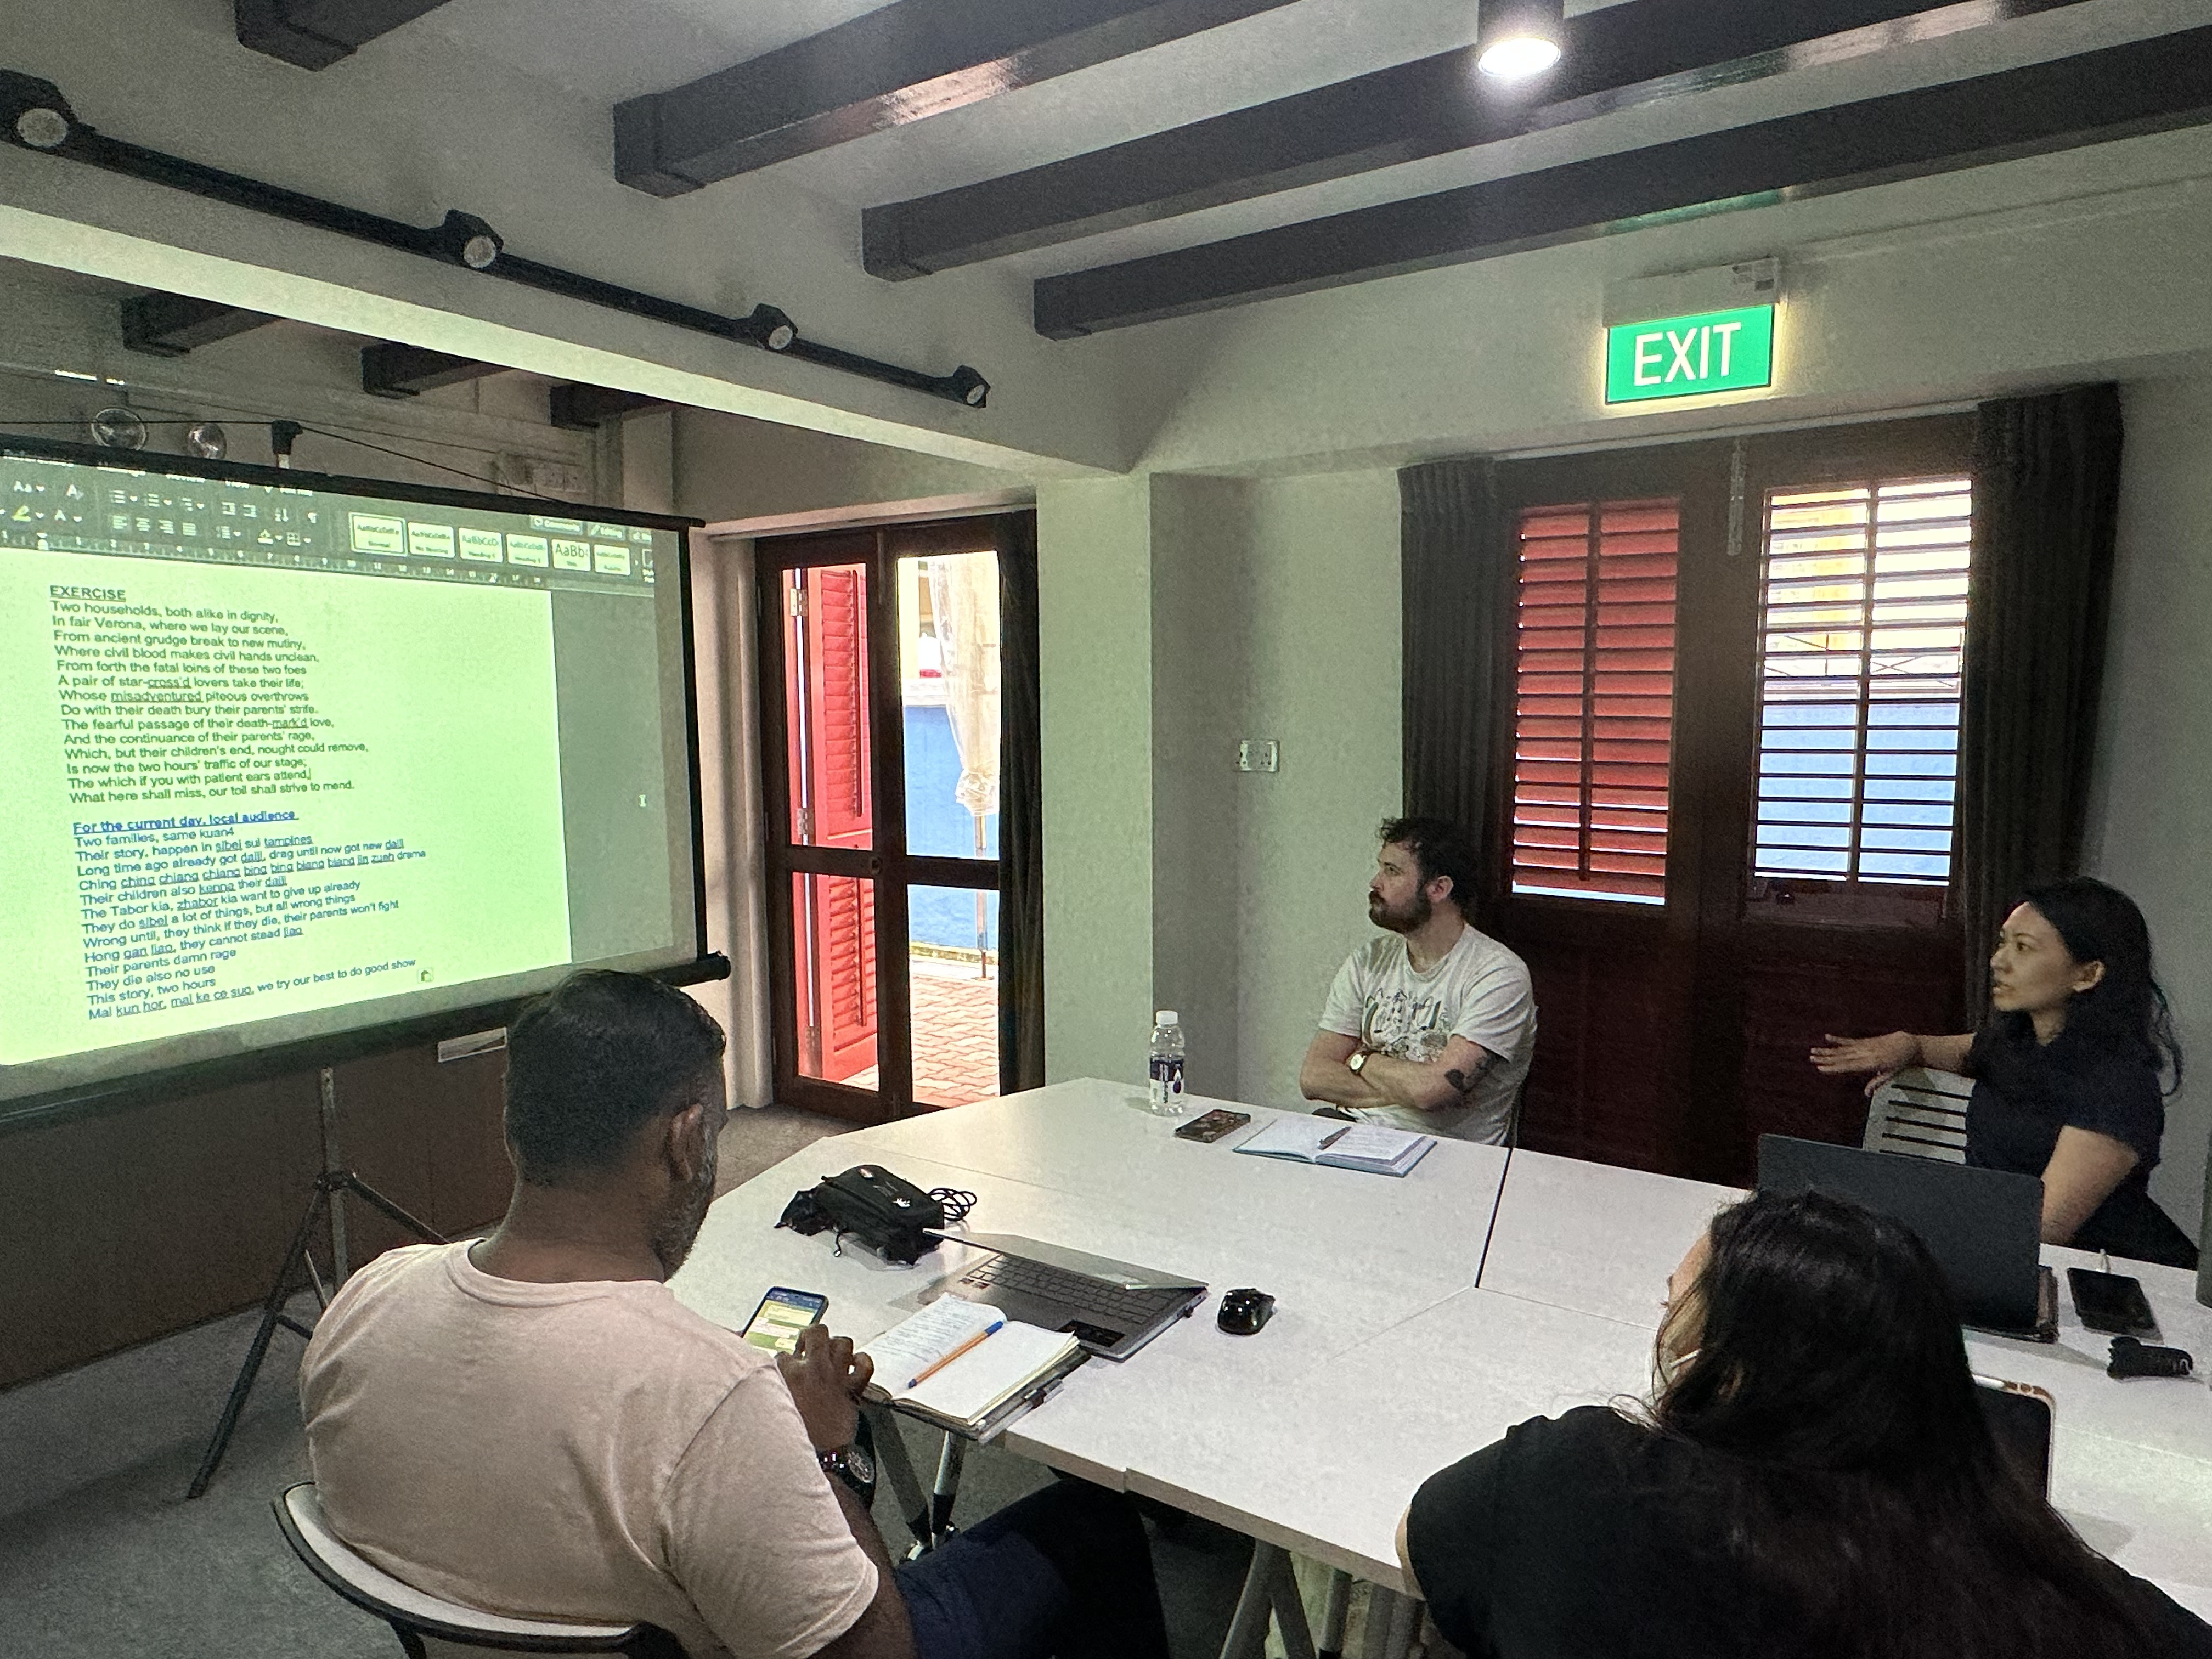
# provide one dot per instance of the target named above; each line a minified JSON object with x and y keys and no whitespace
{"x":1814,"y":1478}
{"x":2067,"y":1072}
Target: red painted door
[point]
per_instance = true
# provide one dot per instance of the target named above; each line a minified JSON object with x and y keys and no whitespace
{"x":830,"y":767}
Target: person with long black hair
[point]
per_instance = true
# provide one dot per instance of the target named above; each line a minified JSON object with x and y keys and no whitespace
{"x":2068,"y":1071}
{"x":1813,"y":1476}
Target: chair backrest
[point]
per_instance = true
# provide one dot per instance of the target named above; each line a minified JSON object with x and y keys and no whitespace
{"x":414,"y":1614}
{"x":1921,"y":1114}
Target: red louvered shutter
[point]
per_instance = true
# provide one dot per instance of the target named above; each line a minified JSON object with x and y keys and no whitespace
{"x":838,"y":801}
{"x":1594,"y":700}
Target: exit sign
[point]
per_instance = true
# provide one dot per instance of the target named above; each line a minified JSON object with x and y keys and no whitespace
{"x":1683,"y":356}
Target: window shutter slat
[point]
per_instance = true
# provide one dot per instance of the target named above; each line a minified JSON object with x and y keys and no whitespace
{"x":1594,"y":700}
{"x":1863,"y":635}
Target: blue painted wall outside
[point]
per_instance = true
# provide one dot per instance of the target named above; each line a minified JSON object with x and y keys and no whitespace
{"x":938,"y":825}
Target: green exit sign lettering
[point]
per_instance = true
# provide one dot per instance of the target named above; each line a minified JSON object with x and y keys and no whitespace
{"x":1685,"y":356}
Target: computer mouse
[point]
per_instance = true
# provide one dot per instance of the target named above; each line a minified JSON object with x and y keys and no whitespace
{"x":1243,"y":1312}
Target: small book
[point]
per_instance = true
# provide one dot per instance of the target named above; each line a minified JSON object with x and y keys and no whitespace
{"x":958,"y":1364}
{"x":1340,"y":1145}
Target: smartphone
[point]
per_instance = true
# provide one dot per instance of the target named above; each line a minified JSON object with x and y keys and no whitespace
{"x":781,"y":1315}
{"x":2111,"y":1303}
{"x":2019,"y":1415}
{"x":1212,"y":1125}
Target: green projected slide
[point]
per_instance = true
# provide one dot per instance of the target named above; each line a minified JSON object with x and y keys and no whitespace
{"x":253,"y":784}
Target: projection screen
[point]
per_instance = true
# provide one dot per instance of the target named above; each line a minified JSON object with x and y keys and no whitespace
{"x":299,"y":765}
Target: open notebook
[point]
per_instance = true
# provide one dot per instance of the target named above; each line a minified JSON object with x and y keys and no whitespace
{"x":961,"y":1364}
{"x":1340,"y":1145}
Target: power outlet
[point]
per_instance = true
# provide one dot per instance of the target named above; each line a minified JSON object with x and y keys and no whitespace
{"x":1256,"y":755}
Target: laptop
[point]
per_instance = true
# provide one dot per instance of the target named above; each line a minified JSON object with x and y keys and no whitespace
{"x":1113,"y":1307}
{"x":1984,"y":1227}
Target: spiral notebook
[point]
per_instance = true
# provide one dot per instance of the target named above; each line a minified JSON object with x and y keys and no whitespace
{"x":1340,"y":1145}
{"x":960,"y":1364}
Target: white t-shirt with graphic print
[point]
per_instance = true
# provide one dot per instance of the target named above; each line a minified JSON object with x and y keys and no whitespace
{"x":1479,"y":991}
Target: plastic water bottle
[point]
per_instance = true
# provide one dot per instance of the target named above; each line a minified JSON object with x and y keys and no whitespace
{"x":1166,"y":1066}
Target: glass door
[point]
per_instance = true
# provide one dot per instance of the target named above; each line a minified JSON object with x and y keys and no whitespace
{"x":882,"y":730}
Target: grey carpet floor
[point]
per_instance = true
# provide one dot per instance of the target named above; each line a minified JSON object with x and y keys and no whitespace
{"x":102,"y":1556}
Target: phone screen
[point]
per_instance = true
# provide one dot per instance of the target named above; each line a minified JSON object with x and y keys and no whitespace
{"x":2111,"y":1303}
{"x":781,"y":1315}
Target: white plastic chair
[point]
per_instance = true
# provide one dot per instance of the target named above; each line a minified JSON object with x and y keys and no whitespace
{"x":1921,"y":1114}
{"x":413,"y":1614}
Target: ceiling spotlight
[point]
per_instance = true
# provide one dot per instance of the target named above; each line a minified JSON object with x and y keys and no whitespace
{"x":208,"y":440}
{"x":768,"y":328}
{"x":43,"y":128}
{"x":469,"y":240}
{"x":1515,"y":39}
{"x":118,"y":428}
{"x":969,"y":387}
{"x":33,"y":112}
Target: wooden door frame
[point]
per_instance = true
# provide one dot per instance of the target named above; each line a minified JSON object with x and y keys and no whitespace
{"x":886,"y":863}
{"x":1722,"y":485}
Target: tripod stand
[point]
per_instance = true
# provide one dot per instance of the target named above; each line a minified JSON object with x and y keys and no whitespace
{"x":332,"y":1186}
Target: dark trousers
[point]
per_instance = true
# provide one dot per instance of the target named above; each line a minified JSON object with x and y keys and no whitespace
{"x":1065,"y":1571}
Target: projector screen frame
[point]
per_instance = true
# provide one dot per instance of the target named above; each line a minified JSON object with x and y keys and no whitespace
{"x":136,"y":1089}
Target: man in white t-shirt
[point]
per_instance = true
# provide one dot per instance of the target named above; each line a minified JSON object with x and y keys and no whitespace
{"x":1432,"y":1026}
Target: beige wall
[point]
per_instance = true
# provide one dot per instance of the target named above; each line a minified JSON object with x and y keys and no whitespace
{"x":2150,"y":830}
{"x":728,"y":468}
{"x":1094,"y":592}
{"x":1325,"y":684}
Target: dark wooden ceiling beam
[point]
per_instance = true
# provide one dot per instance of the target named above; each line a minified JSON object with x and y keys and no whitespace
{"x":1625,"y":54}
{"x":883,"y":68}
{"x":315,"y":33}
{"x":389,"y":369}
{"x":170,"y":325}
{"x":2145,"y":85}
{"x":581,"y":408}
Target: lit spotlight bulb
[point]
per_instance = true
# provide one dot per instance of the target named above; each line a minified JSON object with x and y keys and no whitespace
{"x":1515,"y":39}
{"x":1519,"y":59}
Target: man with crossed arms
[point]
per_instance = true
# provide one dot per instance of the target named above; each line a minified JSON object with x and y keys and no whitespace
{"x":1429,"y":1027}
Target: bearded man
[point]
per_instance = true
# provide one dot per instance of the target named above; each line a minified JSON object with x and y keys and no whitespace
{"x":531,"y":1424}
{"x":1429,"y":1027}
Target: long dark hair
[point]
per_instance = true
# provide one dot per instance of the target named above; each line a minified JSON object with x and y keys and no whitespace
{"x":2125,"y":1011}
{"x":1869,"y":1512}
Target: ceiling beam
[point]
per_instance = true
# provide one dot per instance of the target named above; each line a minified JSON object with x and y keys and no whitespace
{"x":315,"y":33}
{"x":1619,"y":56}
{"x":580,"y":408}
{"x":883,"y":68}
{"x":389,"y":369}
{"x":170,"y":325}
{"x":2145,"y":85}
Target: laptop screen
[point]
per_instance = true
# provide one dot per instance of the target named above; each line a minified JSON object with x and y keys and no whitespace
{"x":1982,"y":1226}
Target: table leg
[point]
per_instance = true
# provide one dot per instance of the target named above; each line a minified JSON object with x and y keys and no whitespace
{"x":1333,"y":1609}
{"x":906,"y":1485}
{"x":1270,"y":1587}
{"x":947,"y":1489}
{"x":1393,"y":1622}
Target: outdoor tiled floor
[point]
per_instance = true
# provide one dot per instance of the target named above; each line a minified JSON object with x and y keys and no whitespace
{"x":956,"y":1033}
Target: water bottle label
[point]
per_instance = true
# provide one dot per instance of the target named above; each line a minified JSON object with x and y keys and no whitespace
{"x":1167,"y":1079}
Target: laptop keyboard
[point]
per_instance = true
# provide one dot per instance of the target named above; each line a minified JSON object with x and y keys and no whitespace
{"x":1105,"y":1304}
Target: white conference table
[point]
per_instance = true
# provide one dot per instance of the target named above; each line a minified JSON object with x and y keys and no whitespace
{"x":1387,"y":1359}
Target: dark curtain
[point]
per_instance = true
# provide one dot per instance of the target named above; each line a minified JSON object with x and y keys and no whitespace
{"x":1451,"y":561}
{"x":2046,"y":496}
{"x":1021,"y":811}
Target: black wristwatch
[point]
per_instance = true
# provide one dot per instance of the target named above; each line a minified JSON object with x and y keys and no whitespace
{"x":853,"y":1465}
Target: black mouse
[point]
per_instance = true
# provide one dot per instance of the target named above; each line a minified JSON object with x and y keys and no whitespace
{"x":1243,"y":1312}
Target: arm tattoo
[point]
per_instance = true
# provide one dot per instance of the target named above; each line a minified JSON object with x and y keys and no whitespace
{"x":1464,"y":1081}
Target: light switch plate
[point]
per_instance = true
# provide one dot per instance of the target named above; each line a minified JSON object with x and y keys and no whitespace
{"x":1256,"y":755}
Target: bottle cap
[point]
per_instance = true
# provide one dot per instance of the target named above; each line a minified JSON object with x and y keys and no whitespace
{"x":1166,"y":1017}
